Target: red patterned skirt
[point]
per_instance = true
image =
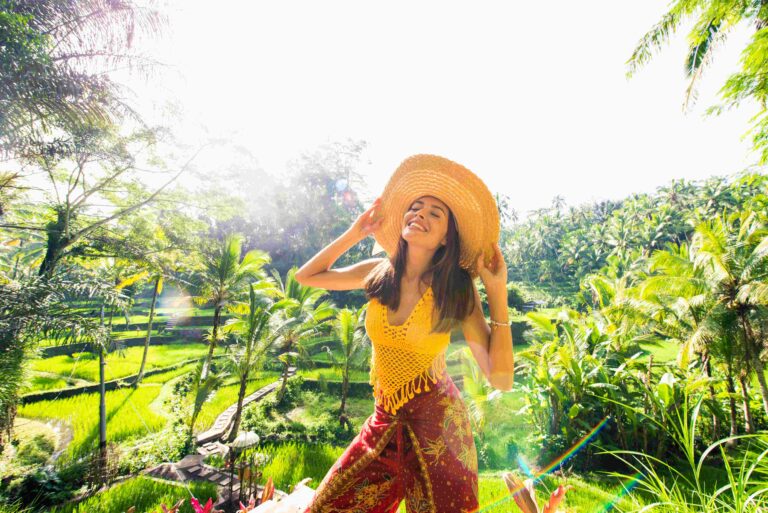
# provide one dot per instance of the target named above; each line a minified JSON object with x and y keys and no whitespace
{"x":424,"y":454}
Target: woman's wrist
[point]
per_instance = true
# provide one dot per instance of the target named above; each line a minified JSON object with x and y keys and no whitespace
{"x":496,"y":294}
{"x":353,"y":236}
{"x":497,"y":306}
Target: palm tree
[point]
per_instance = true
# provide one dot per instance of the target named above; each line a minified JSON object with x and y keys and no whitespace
{"x":349,"y":329}
{"x":307,"y":315}
{"x":109,"y":271}
{"x":732,"y":252}
{"x":477,"y":393}
{"x":255,"y":330}
{"x":675,"y":303}
{"x":713,"y":20}
{"x":157,"y":289}
{"x":223,"y":277}
{"x":203,"y":386}
{"x":158,"y":269}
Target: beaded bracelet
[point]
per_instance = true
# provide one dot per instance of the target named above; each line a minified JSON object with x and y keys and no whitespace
{"x":497,"y":323}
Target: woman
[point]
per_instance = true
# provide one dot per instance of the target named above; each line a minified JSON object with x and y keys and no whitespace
{"x":439,"y":225}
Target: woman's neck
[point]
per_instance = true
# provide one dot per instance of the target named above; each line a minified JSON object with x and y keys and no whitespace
{"x":417,"y":262}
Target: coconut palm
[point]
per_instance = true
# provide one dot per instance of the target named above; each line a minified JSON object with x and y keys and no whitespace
{"x":256,"y":328}
{"x":713,"y":20}
{"x":204,"y":384}
{"x":159,"y":269}
{"x":116,"y":275}
{"x":157,"y":288}
{"x":480,"y":397}
{"x":732,"y":252}
{"x":223,"y":277}
{"x":348,"y":328}
{"x":308,"y":314}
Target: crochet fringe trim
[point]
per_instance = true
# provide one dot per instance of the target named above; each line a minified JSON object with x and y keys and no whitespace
{"x":392,"y":402}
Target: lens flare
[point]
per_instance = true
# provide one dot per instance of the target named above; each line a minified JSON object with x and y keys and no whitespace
{"x":557,"y":462}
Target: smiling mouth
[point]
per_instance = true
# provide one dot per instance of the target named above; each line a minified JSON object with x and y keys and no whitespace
{"x":416,"y":226}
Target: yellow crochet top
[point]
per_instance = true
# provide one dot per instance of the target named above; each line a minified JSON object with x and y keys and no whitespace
{"x":405,"y":357}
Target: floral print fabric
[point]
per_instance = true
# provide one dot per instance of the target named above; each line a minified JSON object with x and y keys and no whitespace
{"x":424,"y":454}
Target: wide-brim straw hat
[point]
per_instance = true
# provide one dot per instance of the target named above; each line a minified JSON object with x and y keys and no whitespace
{"x":472,"y":204}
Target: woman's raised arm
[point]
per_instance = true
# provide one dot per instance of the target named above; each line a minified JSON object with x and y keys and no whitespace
{"x":317,"y":271}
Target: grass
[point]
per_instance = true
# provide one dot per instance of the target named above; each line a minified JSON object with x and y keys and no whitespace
{"x":145,"y":494}
{"x":663,"y":351}
{"x":333,"y":374}
{"x":164,"y":377}
{"x":585,"y":497}
{"x":122,"y":335}
{"x":116,"y":334}
{"x":291,"y":462}
{"x":128,"y":416}
{"x":119,"y":364}
{"x":226,"y":396}
{"x":139,"y":319}
{"x":40,"y":383}
{"x":318,"y":409}
{"x":186,"y":312}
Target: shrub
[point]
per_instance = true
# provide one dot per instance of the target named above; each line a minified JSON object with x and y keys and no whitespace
{"x":169,"y":444}
{"x":128,"y":411}
{"x":291,"y":395}
{"x":35,"y":451}
{"x":41,"y":488}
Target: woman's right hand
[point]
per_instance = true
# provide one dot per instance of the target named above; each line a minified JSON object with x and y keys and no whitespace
{"x":368,"y":222}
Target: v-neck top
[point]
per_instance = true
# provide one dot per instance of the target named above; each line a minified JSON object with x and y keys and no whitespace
{"x":406,"y":357}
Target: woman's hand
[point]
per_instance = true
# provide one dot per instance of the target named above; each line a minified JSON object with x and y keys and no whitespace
{"x":494,"y":275}
{"x":367,"y":222}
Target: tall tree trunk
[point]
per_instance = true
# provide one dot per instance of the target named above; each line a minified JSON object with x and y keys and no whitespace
{"x":344,"y":389}
{"x":750,"y":426}
{"x":646,"y":402}
{"x":149,"y":332}
{"x":191,"y":436}
{"x":55,"y":243}
{"x":50,"y":260}
{"x":754,"y":358}
{"x":239,"y":410}
{"x":713,"y":397}
{"x":757,"y":365}
{"x":284,"y":377}
{"x":343,"y":420}
{"x":102,"y":411}
{"x":732,"y":405}
{"x":214,"y":337}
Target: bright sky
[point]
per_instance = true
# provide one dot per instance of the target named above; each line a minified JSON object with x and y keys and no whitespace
{"x":531,"y":96}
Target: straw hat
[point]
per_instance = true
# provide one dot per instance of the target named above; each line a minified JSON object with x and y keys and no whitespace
{"x":472,"y":204}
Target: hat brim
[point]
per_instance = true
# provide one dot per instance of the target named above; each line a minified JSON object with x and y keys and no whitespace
{"x":472,"y":204}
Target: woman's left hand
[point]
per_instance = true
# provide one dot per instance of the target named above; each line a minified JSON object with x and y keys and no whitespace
{"x":494,"y":275}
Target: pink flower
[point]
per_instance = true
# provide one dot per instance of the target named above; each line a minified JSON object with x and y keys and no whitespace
{"x":199,"y":509}
{"x":251,"y":505}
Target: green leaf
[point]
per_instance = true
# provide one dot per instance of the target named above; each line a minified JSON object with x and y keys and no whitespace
{"x":666,"y":388}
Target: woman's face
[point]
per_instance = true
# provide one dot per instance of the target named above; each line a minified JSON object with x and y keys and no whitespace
{"x":425,"y":223}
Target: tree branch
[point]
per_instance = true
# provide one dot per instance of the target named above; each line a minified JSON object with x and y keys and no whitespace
{"x":20,"y":227}
{"x":138,"y":205}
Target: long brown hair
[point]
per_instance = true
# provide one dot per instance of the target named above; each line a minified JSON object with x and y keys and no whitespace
{"x":451,"y":285}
